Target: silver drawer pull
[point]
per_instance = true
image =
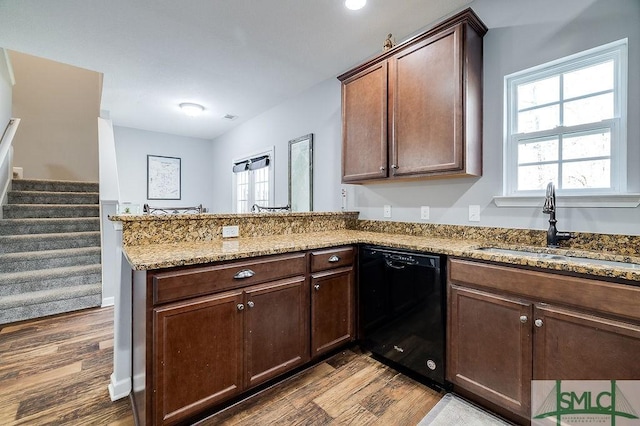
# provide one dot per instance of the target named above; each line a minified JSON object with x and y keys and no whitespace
{"x":334,"y":259}
{"x":245,"y":273}
{"x":240,"y":306}
{"x":250,"y":304}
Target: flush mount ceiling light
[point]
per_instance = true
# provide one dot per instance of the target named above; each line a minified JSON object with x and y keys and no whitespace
{"x":355,"y":4}
{"x":191,"y":109}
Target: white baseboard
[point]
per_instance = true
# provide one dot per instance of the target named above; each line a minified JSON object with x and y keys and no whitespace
{"x":108,"y":301}
{"x":119,"y":390}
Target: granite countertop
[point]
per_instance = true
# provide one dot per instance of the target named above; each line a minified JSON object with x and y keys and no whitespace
{"x":157,"y":256}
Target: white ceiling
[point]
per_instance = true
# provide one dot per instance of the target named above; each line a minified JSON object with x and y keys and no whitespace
{"x":237,"y":57}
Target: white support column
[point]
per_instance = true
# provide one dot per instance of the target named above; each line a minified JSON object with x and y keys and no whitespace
{"x":111,"y":239}
{"x":120,"y":385}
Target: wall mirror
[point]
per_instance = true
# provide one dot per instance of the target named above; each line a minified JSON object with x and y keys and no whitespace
{"x":301,"y":173}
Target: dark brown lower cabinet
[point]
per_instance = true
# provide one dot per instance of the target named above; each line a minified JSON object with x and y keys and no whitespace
{"x":490,"y":347}
{"x":332,"y":309}
{"x":571,"y":345}
{"x":276,"y":329}
{"x":508,"y":326}
{"x":198,"y":355}
{"x":207,"y":333}
{"x":214,"y":347}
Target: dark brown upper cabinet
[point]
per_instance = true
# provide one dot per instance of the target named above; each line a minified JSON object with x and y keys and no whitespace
{"x":415,"y":111}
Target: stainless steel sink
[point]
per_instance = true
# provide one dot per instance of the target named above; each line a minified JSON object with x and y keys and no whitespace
{"x":561,"y":257}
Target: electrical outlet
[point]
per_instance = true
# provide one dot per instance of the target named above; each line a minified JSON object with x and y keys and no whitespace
{"x":387,"y":210}
{"x":424,"y":212}
{"x":230,"y":231}
{"x":474,"y":213}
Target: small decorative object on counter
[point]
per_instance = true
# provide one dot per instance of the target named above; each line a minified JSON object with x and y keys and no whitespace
{"x":388,"y":43}
{"x":147,"y":209}
{"x":270,"y":209}
{"x":128,"y":208}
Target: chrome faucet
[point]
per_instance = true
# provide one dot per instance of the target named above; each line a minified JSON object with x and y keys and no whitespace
{"x":553,"y":235}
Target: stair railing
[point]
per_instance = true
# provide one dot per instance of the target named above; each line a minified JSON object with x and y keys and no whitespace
{"x":6,"y":159}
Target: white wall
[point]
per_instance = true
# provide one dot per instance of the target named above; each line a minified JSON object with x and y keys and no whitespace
{"x":316,"y":111}
{"x":132,"y":148}
{"x":6,"y":88}
{"x":58,"y":105}
{"x":521,"y":34}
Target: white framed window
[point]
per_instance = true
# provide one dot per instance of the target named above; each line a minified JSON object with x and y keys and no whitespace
{"x":565,"y":122}
{"x":253,"y":178}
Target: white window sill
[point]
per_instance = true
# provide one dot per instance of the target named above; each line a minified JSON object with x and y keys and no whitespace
{"x":618,"y":200}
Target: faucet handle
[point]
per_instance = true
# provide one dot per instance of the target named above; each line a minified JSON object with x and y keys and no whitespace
{"x":549,"y":199}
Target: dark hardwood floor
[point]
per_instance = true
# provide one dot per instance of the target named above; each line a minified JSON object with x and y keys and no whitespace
{"x":56,"y":371}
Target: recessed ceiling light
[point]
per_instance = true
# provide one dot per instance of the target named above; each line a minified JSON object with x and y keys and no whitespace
{"x":355,"y":4}
{"x":191,"y":109}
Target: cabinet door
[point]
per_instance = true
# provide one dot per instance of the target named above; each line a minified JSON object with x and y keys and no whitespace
{"x":569,"y":345}
{"x":364,"y":125}
{"x":198,"y":355}
{"x":490,"y":347}
{"x":276,"y":328}
{"x":332,"y":309}
{"x":426,"y":106}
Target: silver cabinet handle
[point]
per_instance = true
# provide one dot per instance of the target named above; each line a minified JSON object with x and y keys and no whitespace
{"x":382,"y":168}
{"x":334,"y":259}
{"x":240,"y":306}
{"x":245,"y":273}
{"x":538,"y":322}
{"x":317,"y":286}
{"x":250,"y":304}
{"x":523,"y":319}
{"x":394,"y":166}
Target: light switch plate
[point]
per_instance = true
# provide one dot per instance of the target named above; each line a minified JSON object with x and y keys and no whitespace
{"x":474,"y":213}
{"x":424,"y":212}
{"x":230,"y":231}
{"x":387,"y":210}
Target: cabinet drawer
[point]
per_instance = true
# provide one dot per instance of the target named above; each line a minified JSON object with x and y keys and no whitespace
{"x":181,"y":284}
{"x":331,"y":258}
{"x":590,"y":294}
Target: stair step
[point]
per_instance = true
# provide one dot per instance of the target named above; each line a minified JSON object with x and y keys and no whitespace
{"x":42,"y":303}
{"x":48,"y":226}
{"x":50,"y":259}
{"x":38,"y":242}
{"x":22,"y":211}
{"x":44,"y":197}
{"x":48,"y":279}
{"x":53,"y":185}
{"x":35,"y":260}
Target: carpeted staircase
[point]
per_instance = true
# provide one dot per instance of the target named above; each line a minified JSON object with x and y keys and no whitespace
{"x":49,"y":249}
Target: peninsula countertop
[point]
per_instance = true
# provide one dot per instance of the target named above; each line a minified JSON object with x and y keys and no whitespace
{"x":167,"y":255}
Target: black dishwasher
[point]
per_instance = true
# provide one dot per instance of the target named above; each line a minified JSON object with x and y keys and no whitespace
{"x":401,"y":309}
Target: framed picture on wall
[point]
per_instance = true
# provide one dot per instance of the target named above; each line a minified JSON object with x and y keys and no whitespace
{"x":163,"y":178}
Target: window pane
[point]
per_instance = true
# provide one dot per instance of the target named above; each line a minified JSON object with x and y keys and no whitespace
{"x":242,"y":192}
{"x":538,"y":119}
{"x":537,"y":176}
{"x":539,"y":92}
{"x":586,"y":146}
{"x":587,"y":174}
{"x":538,"y":151}
{"x":588,"y":110}
{"x":261,"y":186}
{"x":593,"y":79}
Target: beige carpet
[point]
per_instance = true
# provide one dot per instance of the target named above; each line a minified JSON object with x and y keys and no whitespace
{"x":453,"y":410}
